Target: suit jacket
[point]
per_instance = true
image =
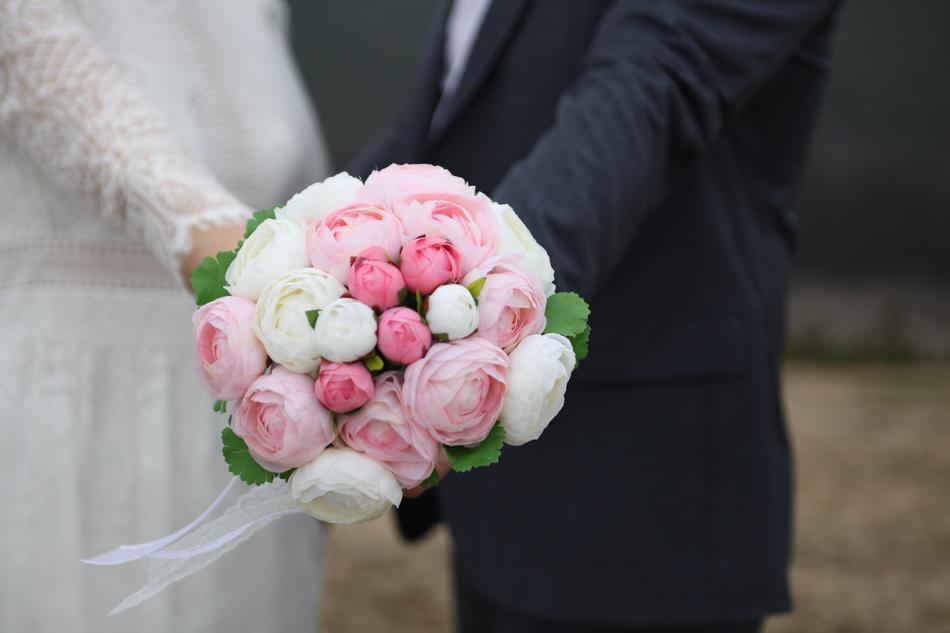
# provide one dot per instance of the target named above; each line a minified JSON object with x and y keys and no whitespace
{"x":654,"y":147}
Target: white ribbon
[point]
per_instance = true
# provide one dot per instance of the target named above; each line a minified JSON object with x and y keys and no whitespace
{"x":200,"y":545}
{"x":127,"y":553}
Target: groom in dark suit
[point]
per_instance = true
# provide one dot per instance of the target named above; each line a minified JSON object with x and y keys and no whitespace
{"x":654,"y":147}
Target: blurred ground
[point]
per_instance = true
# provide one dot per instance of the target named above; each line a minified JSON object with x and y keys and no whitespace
{"x":873,"y":555}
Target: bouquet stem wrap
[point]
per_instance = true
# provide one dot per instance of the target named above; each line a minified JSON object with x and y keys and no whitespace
{"x":197,"y":545}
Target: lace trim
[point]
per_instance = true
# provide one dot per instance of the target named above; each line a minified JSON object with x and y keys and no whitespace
{"x":68,"y":106}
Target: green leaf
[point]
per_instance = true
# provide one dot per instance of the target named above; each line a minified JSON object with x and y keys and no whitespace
{"x":312,"y":318}
{"x":465,"y":458}
{"x":257,"y":219}
{"x":580,"y":342}
{"x":286,"y":474}
{"x":442,"y":337}
{"x":207,"y":279}
{"x":240,"y":462}
{"x":566,"y":313}
{"x":374,"y":363}
{"x":431,"y":481}
{"x":420,"y":305}
{"x":220,"y":406}
{"x":476,"y":286}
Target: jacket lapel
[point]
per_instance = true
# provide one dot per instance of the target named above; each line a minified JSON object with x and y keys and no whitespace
{"x":425,"y":91}
{"x":496,"y":29}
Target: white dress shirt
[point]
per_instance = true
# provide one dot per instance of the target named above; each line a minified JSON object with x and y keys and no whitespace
{"x":461,"y":29}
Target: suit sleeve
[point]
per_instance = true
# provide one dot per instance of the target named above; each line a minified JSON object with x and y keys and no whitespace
{"x":660,"y":82}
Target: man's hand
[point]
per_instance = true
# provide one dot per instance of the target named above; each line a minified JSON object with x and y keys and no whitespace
{"x":209,"y":242}
{"x":443,"y":467}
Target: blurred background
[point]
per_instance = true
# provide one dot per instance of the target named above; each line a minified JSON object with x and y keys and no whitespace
{"x":867,"y":377}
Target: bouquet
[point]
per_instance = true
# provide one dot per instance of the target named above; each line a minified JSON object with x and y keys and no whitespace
{"x":359,"y":335}
{"x":362,"y":329}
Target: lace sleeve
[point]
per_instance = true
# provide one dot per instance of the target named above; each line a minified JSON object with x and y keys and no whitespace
{"x":67,"y":105}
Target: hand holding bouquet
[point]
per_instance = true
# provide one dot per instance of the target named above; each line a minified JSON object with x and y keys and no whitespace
{"x":363,"y":328}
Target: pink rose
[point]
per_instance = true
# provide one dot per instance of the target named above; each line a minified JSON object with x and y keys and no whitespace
{"x":396,"y":182}
{"x":510,"y":304}
{"x":282,"y":422}
{"x":456,"y":392}
{"x":467,"y":221}
{"x":376,"y":283}
{"x":429,"y":262}
{"x":375,"y":252}
{"x":402,"y":336}
{"x":383,"y":431}
{"x":349,"y":231}
{"x":229,"y":355}
{"x":342,"y":387}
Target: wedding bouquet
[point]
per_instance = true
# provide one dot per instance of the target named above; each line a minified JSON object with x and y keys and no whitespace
{"x":363,"y":329}
{"x":358,"y":335}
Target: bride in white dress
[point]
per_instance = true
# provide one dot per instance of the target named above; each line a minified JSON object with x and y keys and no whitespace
{"x":129,"y":130}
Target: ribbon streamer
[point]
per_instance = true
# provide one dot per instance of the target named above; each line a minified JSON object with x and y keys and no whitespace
{"x":127,"y":553}
{"x":200,"y":545}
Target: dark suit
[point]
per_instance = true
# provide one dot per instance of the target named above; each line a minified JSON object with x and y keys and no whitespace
{"x":654,"y":147}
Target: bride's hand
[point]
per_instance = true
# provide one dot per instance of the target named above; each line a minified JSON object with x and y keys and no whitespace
{"x":209,"y":241}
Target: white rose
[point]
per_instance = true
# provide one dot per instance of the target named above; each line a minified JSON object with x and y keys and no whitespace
{"x":275,"y":247}
{"x":345,"y":331}
{"x":281,"y":323}
{"x":321,"y":199}
{"x":538,"y":372}
{"x":343,"y":486}
{"x":516,"y":239}
{"x":452,"y":311}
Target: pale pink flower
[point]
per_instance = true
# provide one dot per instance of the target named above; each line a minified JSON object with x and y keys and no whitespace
{"x":229,"y":355}
{"x":467,"y":221}
{"x":342,"y":387}
{"x":397,"y":182}
{"x":510,"y":305}
{"x":402,"y":336}
{"x":384,"y":431}
{"x":376,"y":283}
{"x":281,"y":421}
{"x":429,"y":262}
{"x":457,"y":390}
{"x":347,"y":232}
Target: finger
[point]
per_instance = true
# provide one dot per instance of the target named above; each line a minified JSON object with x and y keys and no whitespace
{"x":413,"y":493}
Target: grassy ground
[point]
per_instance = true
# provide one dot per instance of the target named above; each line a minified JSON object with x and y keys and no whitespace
{"x":873,"y":548}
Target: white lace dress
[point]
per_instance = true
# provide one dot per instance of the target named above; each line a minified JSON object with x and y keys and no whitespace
{"x":122,"y":125}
